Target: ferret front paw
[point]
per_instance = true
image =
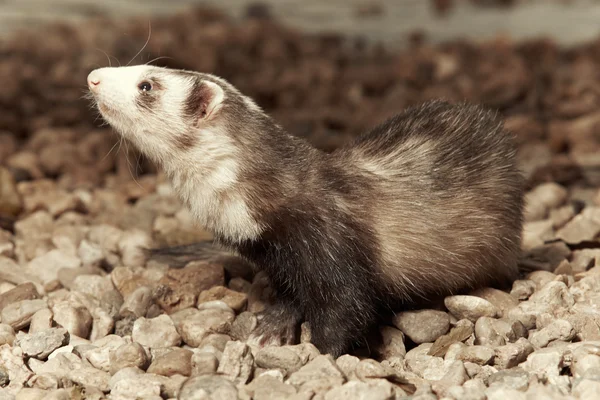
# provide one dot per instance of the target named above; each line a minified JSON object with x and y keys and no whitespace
{"x":277,"y":325}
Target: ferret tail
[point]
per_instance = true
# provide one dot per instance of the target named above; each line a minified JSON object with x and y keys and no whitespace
{"x":208,"y":251}
{"x":180,"y":256}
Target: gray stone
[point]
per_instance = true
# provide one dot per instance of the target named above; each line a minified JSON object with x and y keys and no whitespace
{"x":243,"y":326}
{"x":514,"y":378}
{"x":208,"y":387}
{"x":175,"y":362}
{"x":236,"y":362}
{"x":319,"y":374}
{"x":481,"y":355}
{"x":18,"y":315}
{"x":126,"y":356}
{"x":392,"y":343}
{"x":156,"y":332}
{"x":557,"y":330}
{"x":41,"y":344}
{"x":198,"y":324}
{"x":356,"y":390}
{"x":278,"y":357}
{"x":7,"y":334}
{"x":470,"y":307}
{"x":41,"y":320}
{"x":522,"y":289}
{"x":512,"y":354}
{"x":75,"y":318}
{"x":422,"y":326}
{"x":204,"y":363}
{"x":493,"y":332}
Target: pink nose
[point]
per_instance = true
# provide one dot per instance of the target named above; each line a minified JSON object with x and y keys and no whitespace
{"x":93,"y":83}
{"x":93,"y":80}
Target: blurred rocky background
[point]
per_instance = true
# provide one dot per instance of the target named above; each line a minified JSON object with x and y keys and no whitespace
{"x":84,"y":314}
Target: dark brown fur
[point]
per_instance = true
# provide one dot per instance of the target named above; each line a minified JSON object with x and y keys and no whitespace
{"x":427,"y":204}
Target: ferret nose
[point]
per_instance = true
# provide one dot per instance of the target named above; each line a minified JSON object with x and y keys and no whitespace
{"x":93,"y":80}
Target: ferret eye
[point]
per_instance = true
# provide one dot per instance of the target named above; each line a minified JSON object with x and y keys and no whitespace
{"x":145,"y":86}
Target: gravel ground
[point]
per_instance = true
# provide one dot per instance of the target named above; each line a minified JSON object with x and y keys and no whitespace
{"x":85,"y":314}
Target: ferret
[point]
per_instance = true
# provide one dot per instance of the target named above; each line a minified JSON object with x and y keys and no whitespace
{"x":426,"y":204}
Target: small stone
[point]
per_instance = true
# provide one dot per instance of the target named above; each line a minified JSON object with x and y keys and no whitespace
{"x":542,"y":199}
{"x":493,"y":332}
{"x":41,"y":344}
{"x":557,"y":330}
{"x":501,"y":393}
{"x":24,"y":291}
{"x":41,"y":320}
{"x":179,"y":288}
{"x":46,"y":266}
{"x":514,"y":378}
{"x":501,"y":300}
{"x":19,"y":314}
{"x":535,"y":234}
{"x":392,"y":343}
{"x":278,"y":357}
{"x":204,"y":363}
{"x":476,"y":354}
{"x":7,"y":335}
{"x":522,"y":289}
{"x":243,"y":325}
{"x":512,"y":354}
{"x":356,"y":390}
{"x":235,"y":300}
{"x":319,"y":374}
{"x":236,"y":362}
{"x":422,"y":326}
{"x":201,"y":323}
{"x":347,"y":364}
{"x":585,"y":358}
{"x":88,"y":376}
{"x":208,"y":387}
{"x":137,"y":303}
{"x":216,"y":340}
{"x":461,"y":332}
{"x":470,"y":307}
{"x":90,"y":254}
{"x":76,"y":319}
{"x":100,"y":355}
{"x":156,"y":332}
{"x":267,"y":387}
{"x":10,"y":199}
{"x":554,"y":296}
{"x":126,"y":356}
{"x":132,"y":247}
{"x":371,"y":369}
{"x":586,"y":389}
{"x":584,"y":226}
{"x":545,"y":363}
{"x":541,"y":278}
{"x":455,"y":375}
{"x":175,"y":362}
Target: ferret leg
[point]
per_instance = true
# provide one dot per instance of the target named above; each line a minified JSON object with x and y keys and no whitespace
{"x":336,"y":325}
{"x":279,"y":323}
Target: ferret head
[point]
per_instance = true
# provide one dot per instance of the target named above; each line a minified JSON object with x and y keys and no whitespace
{"x":168,"y":113}
{"x":199,"y":128}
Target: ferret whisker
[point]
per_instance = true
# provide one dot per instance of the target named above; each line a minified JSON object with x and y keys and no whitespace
{"x":107,"y":57}
{"x":110,"y":151}
{"x":158,"y":58}
{"x":145,"y":44}
{"x":137,"y":164}
{"x":129,"y":164}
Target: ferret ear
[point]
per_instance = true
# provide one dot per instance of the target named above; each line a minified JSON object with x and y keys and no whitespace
{"x":205,"y":100}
